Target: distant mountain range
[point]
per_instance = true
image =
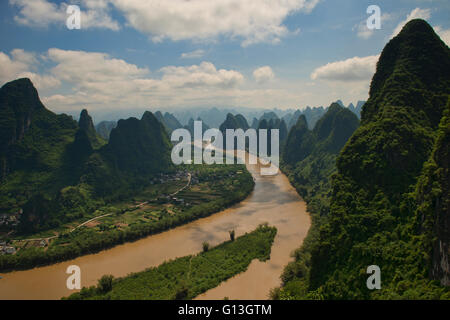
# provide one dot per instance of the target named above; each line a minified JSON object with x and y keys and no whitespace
{"x":214,"y":116}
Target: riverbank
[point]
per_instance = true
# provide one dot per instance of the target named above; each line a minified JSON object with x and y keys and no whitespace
{"x":223,"y":186}
{"x":273,"y":200}
{"x":186,"y":277}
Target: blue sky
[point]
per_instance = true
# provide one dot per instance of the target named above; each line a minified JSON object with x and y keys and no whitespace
{"x":162,"y":54}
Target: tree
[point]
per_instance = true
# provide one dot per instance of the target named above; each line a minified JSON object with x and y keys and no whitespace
{"x":232,"y":235}
{"x":182,"y":292}
{"x":105,"y":283}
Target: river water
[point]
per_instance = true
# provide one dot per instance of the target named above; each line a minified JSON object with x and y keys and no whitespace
{"x":274,"y":201}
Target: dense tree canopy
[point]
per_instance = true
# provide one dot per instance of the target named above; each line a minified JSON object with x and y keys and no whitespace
{"x":389,"y":198}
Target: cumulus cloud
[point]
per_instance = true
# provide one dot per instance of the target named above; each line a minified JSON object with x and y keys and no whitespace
{"x":350,"y":70}
{"x":43,"y":13}
{"x":10,"y":67}
{"x":42,"y":82}
{"x":263,"y":74}
{"x":444,"y":34}
{"x":79,"y":78}
{"x":193,"y":54}
{"x":98,"y":81}
{"x":39,"y":12}
{"x":252,"y":20}
{"x":21,"y":64}
{"x":204,"y":74}
{"x":101,"y":81}
{"x":98,"y":19}
{"x":82,"y":67}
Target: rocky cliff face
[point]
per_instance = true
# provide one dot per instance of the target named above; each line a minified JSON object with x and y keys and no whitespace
{"x":85,"y":123}
{"x":19,"y":102}
{"x":139,"y":146}
{"x":441,"y":249}
{"x":433,"y":197}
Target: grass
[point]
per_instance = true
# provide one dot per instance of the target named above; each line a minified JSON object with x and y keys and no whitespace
{"x":190,"y":276}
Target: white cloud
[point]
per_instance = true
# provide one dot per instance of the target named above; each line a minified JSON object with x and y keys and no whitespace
{"x":10,"y":67}
{"x":94,"y":80}
{"x":83,"y":67}
{"x":350,"y":70}
{"x":98,"y":19}
{"x":42,"y":82}
{"x":26,"y":59}
{"x":43,"y":13}
{"x":263,"y":74}
{"x":101,"y":81}
{"x":251,"y":20}
{"x":193,"y":54}
{"x":21,"y":64}
{"x":417,"y":13}
{"x":345,"y":80}
{"x":444,"y":34}
{"x":96,"y":4}
{"x":204,"y":74}
{"x":39,"y":12}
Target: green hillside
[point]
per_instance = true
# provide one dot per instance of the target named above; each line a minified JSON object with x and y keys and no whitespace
{"x":33,"y":146}
{"x":55,"y":170}
{"x":389,"y":198}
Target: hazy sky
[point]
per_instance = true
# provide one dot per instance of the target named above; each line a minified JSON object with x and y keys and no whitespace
{"x":161,"y":53}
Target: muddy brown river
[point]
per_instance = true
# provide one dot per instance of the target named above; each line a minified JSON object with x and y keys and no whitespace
{"x":274,"y":201}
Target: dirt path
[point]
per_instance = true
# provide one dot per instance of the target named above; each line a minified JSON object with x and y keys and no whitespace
{"x":93,"y":219}
{"x":186,"y":186}
{"x":47,"y":239}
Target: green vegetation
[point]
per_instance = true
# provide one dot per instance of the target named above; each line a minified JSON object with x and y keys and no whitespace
{"x":309,"y":158}
{"x":87,"y":125}
{"x":234,"y":122}
{"x":309,"y":161}
{"x":33,"y":146}
{"x":187,"y":277}
{"x":232,"y":235}
{"x":268,"y":121}
{"x":388,"y":201}
{"x":57,"y":174}
{"x":56,"y":170}
{"x":213,"y":188}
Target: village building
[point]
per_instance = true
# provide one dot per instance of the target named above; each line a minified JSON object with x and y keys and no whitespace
{"x":9,"y":250}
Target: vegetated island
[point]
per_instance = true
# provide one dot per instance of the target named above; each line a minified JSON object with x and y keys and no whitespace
{"x":189,"y":276}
